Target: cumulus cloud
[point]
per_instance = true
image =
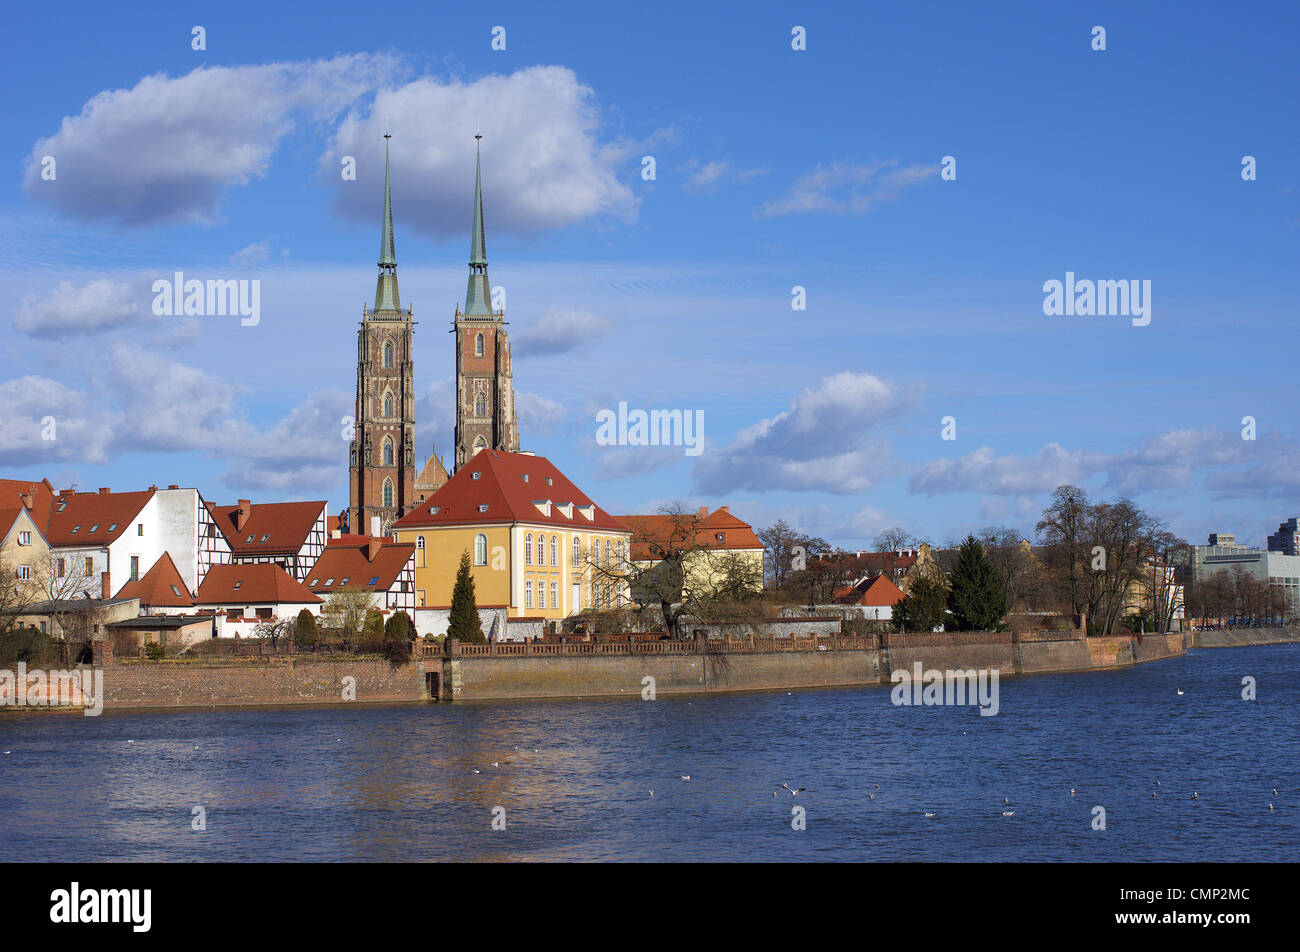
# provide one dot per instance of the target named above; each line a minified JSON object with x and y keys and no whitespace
{"x":97,"y":306}
{"x":558,"y":331}
{"x":983,"y":471}
{"x":544,"y":165}
{"x":165,"y":149}
{"x":823,"y":442}
{"x":45,"y":421}
{"x":846,"y":188}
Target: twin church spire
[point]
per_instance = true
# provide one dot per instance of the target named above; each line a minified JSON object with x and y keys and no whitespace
{"x":386,"y":296}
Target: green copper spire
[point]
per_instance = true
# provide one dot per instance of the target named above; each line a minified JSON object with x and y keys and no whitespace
{"x":386,"y":298}
{"x":478,"y":295}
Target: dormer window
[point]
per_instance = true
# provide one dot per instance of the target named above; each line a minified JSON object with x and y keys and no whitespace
{"x":265,"y":537}
{"x":329,"y":581}
{"x":433,"y":510}
{"x":95,"y":527}
{"x":63,"y":504}
{"x":312,"y":583}
{"x":483,"y":507}
{"x":374,"y":580}
{"x":249,"y":539}
{"x":176,"y":591}
{"x":719,"y":537}
{"x":525,"y":477}
{"x":549,"y":481}
{"x":344,"y":581}
{"x":113,"y":527}
{"x":75,"y":530}
{"x":589,"y":512}
{"x":475,"y":475}
{"x":239,"y":584}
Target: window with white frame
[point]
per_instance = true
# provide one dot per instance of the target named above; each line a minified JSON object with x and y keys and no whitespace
{"x":480,"y":549}
{"x":528,"y":549}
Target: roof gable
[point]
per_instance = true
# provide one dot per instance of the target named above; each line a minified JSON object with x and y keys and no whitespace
{"x":501,"y":487}
{"x":251,"y":583}
{"x":161,"y":586}
{"x":272,"y":527}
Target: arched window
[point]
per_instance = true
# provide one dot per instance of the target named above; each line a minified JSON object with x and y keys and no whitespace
{"x":388,"y":354}
{"x":609,"y":554}
{"x":541,"y":550}
{"x":480,"y":405}
{"x":478,"y":345}
{"x":619,"y":549}
{"x":388,"y":451}
{"x":555,"y":552}
{"x":479,"y":444}
{"x":577,"y":552}
{"x":528,"y":549}
{"x":388,"y":404}
{"x":388,"y":492}
{"x":480,"y":549}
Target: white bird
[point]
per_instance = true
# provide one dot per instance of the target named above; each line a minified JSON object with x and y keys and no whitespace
{"x":929,"y":814}
{"x":872,"y":797}
{"x":1180,"y":692}
{"x":1153,"y":793}
{"x":1006,"y":799}
{"x":877,"y":786}
{"x":1270,"y":806}
{"x":1194,"y":796}
{"x":1157,"y":783}
{"x":8,"y":752}
{"x":652,"y":793}
{"x":1008,"y":812}
{"x":686,"y":776}
{"x":477,"y":771}
{"x":792,"y":791}
{"x":130,"y":742}
{"x":1274,"y":789}
{"x":1071,"y":791}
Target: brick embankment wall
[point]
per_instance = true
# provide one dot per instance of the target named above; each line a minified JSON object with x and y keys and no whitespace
{"x":1111,"y":652}
{"x":949,"y":650}
{"x":1037,"y":657}
{"x":1237,"y":638}
{"x":499,"y":678}
{"x":1155,"y":647}
{"x":157,"y":684}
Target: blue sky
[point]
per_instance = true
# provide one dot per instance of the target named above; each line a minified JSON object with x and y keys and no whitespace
{"x":774,"y":168}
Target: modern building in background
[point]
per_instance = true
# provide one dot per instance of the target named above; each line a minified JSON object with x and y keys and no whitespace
{"x":1223,"y":554}
{"x":1284,"y":540}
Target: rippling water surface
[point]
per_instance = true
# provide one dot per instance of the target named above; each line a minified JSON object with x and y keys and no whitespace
{"x":399,"y":783}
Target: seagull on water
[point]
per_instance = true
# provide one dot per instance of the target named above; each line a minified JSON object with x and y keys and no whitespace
{"x":872,"y":797}
{"x":1180,"y":692}
{"x":652,"y":793}
{"x":1274,"y":789}
{"x":1270,"y":806}
{"x":1008,"y":812}
{"x":1071,"y":791}
{"x":794,"y":792}
{"x":877,"y":786}
{"x":1194,"y":796}
{"x":686,"y":776}
{"x":929,"y":814}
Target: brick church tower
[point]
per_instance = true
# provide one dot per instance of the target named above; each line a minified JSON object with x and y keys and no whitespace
{"x":382,"y":462}
{"x":485,"y":396}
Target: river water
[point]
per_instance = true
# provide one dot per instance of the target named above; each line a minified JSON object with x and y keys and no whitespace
{"x":573,"y":778}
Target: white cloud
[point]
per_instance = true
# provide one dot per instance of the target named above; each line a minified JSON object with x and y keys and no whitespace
{"x":81,"y":429}
{"x":97,"y":306}
{"x":846,"y":188}
{"x":984,"y":472}
{"x":558,"y":331}
{"x":706,"y":176}
{"x":823,"y":442}
{"x":165,"y":149}
{"x":543,"y":163}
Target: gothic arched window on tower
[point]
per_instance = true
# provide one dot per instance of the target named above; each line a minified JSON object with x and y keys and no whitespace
{"x":478,"y":345}
{"x":480,"y":405}
{"x":388,"y":404}
{"x":388,"y":492}
{"x":480,"y":444}
{"x":388,"y":451}
{"x":388,"y":355}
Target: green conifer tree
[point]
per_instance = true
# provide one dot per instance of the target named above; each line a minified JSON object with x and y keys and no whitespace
{"x":978,"y":599}
{"x":464,"y":621}
{"x":922,"y":608}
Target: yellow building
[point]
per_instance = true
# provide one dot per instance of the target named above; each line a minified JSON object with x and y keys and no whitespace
{"x":537,"y":543}
{"x":721,"y":551}
{"x":25,"y":558}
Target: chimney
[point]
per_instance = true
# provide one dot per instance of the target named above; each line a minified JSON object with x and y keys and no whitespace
{"x":336,"y":534}
{"x":105,"y":588}
{"x":104,"y":490}
{"x":372,"y":548}
{"x":725,"y":508}
{"x":27,"y":500}
{"x":704,"y":511}
{"x":374,"y":525}
{"x":173,"y":486}
{"x":242,"y":513}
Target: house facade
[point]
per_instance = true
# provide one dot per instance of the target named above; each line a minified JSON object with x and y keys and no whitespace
{"x":291,"y":535}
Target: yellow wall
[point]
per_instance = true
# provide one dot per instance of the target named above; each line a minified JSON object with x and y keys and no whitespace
{"x":35,"y":556}
{"x":504,"y":580}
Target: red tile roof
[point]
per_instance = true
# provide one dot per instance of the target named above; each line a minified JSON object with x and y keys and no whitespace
{"x":160,"y":587}
{"x":359,"y":562}
{"x":91,"y":519}
{"x":260,"y":582}
{"x":42,"y":493}
{"x":877,"y":592}
{"x":501,"y":487}
{"x":7,"y":519}
{"x":653,"y":536}
{"x":285,"y":525}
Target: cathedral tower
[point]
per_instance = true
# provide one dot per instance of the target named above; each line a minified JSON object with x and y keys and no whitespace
{"x":485,"y":396}
{"x":382,"y":466}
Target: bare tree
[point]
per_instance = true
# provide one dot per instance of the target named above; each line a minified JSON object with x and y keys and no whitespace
{"x":788,"y":551}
